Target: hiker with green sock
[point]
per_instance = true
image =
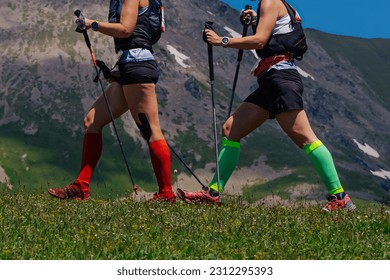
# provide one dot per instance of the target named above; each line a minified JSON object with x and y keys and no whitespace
{"x":279,"y":96}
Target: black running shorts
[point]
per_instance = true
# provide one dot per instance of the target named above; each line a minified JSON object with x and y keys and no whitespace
{"x":279,"y":91}
{"x":143,"y":72}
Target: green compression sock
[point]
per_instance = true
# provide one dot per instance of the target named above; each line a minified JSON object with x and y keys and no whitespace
{"x":228,"y":159}
{"x":323,"y":163}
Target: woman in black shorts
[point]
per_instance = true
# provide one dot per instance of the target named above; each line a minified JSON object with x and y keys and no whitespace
{"x":135,"y":91}
{"x":279,"y":96}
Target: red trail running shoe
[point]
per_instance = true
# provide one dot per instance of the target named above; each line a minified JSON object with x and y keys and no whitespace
{"x":202,"y":196}
{"x":164,"y":197}
{"x":338,"y":204}
{"x":73,"y":191}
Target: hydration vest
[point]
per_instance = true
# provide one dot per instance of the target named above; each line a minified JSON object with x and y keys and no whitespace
{"x":150,"y":24}
{"x":293,"y":42}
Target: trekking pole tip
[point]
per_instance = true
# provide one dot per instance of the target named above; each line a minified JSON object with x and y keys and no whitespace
{"x":77,"y":13}
{"x":135,"y":189}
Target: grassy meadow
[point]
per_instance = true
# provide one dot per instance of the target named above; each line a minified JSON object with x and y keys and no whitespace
{"x":37,"y":226}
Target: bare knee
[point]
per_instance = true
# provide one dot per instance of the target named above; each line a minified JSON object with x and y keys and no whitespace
{"x":88,"y":121}
{"x":226,"y":128}
{"x":90,"y":125}
{"x":301,"y":137}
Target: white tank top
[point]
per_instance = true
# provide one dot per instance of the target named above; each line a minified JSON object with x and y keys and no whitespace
{"x":282,"y":25}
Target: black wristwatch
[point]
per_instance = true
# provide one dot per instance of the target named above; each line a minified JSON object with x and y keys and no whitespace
{"x":95,"y":25}
{"x":225,"y":42}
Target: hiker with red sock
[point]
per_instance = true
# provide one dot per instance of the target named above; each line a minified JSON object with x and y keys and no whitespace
{"x":278,"y":40}
{"x":130,"y":25}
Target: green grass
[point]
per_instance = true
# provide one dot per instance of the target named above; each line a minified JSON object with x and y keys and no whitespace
{"x":41,"y":227}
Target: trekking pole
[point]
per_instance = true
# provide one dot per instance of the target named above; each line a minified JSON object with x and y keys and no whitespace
{"x":186,"y":166}
{"x":82,"y":29}
{"x":208,"y":25}
{"x":245,"y":21}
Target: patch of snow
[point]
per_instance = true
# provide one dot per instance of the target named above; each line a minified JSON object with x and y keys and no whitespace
{"x":32,"y":129}
{"x":232,"y":32}
{"x":235,"y":34}
{"x":305,"y":74}
{"x":367,"y":149}
{"x":381,"y":173}
{"x":178,"y":56}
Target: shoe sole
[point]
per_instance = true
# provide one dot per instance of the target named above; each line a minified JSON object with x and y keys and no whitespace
{"x":164,"y":199}
{"x":349,"y":206}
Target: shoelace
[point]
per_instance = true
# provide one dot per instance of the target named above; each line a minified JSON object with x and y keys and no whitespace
{"x":332,"y":201}
{"x":73,"y":191}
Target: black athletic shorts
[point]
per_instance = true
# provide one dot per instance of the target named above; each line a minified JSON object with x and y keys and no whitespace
{"x":143,"y":72}
{"x":279,"y":91}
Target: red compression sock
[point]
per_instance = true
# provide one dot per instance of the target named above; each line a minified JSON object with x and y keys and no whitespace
{"x":161,"y":161}
{"x":92,"y":149}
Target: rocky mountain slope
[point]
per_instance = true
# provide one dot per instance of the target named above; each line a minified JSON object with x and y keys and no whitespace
{"x":46,"y":88}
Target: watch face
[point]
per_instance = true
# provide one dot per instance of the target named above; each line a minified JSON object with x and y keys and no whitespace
{"x":94,"y":25}
{"x":225,"y":41}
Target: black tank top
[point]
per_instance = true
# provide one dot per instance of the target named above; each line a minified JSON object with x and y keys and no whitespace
{"x":140,"y":37}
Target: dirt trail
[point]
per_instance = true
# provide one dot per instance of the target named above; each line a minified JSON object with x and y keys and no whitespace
{"x":4,"y":178}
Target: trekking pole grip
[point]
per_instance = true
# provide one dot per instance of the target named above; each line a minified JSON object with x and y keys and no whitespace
{"x":209,"y":25}
{"x":246,"y":19}
{"x":81,"y":28}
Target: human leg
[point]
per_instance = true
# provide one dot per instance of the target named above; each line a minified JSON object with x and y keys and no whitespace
{"x":97,"y":117}
{"x":296,"y":125}
{"x":244,"y":120}
{"x":142,"y":102}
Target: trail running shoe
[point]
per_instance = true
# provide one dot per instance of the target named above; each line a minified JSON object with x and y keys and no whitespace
{"x":202,"y":196}
{"x":73,"y":191}
{"x":164,"y":197}
{"x":338,"y":204}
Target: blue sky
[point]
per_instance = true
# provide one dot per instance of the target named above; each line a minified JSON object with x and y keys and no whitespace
{"x":359,"y":18}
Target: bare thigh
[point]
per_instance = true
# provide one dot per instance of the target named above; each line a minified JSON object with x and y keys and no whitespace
{"x":243,"y":121}
{"x":296,"y":125}
{"x":98,"y":115}
{"x":141,"y":98}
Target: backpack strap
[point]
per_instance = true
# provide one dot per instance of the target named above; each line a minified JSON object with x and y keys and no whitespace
{"x":291,"y":13}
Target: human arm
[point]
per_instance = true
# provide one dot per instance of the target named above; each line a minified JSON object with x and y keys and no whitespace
{"x":269,"y":12}
{"x":125,"y":27}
